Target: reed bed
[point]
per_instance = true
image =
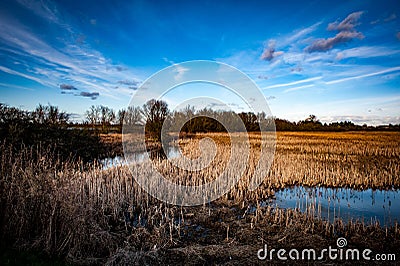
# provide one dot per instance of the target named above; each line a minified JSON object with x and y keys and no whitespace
{"x":89,"y":215}
{"x":357,"y":160}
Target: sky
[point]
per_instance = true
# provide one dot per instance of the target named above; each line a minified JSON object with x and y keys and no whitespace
{"x":338,"y":60}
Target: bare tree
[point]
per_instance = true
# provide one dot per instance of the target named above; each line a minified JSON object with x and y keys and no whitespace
{"x":312,"y":119}
{"x":50,"y":115}
{"x":92,"y":115}
{"x":107,"y":117}
{"x":133,"y":116}
{"x":155,"y":112}
{"x":39,"y":114}
{"x":121,"y":116}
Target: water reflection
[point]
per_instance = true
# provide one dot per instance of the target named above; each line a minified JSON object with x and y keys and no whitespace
{"x":367,"y":205}
{"x":138,"y":157}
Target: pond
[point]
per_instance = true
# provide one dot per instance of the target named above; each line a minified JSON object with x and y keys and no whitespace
{"x":172,"y":152}
{"x":330,"y":203}
{"x":369,"y":205}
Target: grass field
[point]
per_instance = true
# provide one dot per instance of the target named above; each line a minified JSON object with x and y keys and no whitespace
{"x":89,"y":215}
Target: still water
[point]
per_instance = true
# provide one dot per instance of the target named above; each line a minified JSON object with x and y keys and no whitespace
{"x":171,"y":152}
{"x":369,"y":205}
{"x":330,"y":203}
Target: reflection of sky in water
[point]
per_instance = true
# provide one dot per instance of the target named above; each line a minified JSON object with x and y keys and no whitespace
{"x":138,"y":157}
{"x":380,"y":205}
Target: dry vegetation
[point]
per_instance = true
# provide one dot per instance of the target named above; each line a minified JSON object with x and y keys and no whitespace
{"x":357,"y":160}
{"x":94,"y":216}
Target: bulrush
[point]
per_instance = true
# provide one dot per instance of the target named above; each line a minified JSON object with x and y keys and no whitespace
{"x":83,"y":211}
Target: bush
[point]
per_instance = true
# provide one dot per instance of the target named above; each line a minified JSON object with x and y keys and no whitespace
{"x":47,"y":126}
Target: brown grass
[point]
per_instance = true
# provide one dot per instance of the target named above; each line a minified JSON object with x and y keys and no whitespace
{"x":95,"y":216}
{"x":358,"y":160}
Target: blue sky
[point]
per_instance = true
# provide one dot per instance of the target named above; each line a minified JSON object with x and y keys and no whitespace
{"x":339,"y":60}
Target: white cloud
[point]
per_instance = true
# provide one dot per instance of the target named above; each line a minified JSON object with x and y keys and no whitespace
{"x":6,"y":85}
{"x":292,"y":83}
{"x":388,"y":70}
{"x":180,"y":72}
{"x":299,"y":88}
{"x":346,"y":32}
{"x":374,"y":120}
{"x":16,"y":73}
{"x":323,"y":45}
{"x":393,"y":16}
{"x":50,"y":66}
{"x":269,"y":52}
{"x":366,"y":52}
{"x":301,"y":33}
{"x":348,"y":24}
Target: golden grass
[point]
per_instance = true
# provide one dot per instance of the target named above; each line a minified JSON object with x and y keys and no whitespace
{"x":358,"y":160}
{"x":91,"y":215}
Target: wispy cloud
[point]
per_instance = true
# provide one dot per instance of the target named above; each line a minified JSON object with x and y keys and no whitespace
{"x":44,"y":9}
{"x":390,"y":18}
{"x":297,"y":69}
{"x":76,"y":117}
{"x":48,"y":66}
{"x":129,"y":82}
{"x":322,"y":45}
{"x":348,"y":24}
{"x":269,"y":52}
{"x":366,"y":52}
{"x":132,"y":84}
{"x":6,"y":85}
{"x":179,"y":70}
{"x":301,"y":33}
{"x":347,"y":32}
{"x":299,"y":88}
{"x":92,"y":95}
{"x":262,"y":77}
{"x":393,"y":69}
{"x":67,"y":87}
{"x":292,"y":83}
{"x":222,"y":106}
{"x":281,"y":62}
{"x":363,"y":119}
{"x":375,"y":21}
{"x":17,"y":73}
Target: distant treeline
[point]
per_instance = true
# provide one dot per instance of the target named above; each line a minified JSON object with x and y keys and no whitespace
{"x":154,"y":113}
{"x":47,"y":126}
{"x":19,"y":124}
{"x":313,"y":124}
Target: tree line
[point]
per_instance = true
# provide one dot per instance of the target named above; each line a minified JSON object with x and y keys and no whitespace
{"x":154,"y":113}
{"x":49,"y":128}
{"x":26,"y":126}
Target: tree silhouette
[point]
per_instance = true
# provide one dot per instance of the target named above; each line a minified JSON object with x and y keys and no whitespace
{"x":155,"y":112}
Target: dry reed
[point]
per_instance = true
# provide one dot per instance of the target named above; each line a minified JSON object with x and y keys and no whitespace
{"x":91,"y":215}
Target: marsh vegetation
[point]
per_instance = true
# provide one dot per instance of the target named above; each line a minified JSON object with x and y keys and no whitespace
{"x":90,"y":215}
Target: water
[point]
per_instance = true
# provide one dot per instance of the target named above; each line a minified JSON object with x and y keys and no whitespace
{"x":367,"y":205}
{"x":172,"y":152}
